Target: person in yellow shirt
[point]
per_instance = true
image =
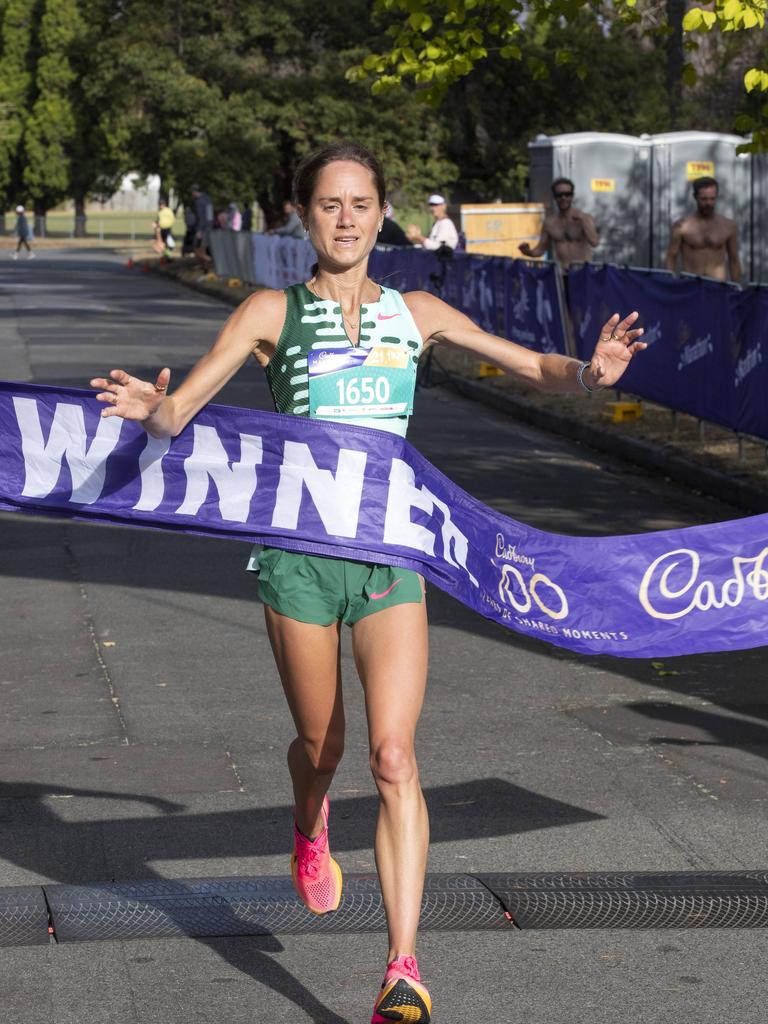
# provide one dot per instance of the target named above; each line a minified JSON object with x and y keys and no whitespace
{"x":166,"y":218}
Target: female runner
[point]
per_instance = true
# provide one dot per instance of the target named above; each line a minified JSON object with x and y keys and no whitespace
{"x":340,"y":194}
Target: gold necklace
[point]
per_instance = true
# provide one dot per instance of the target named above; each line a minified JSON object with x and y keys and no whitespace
{"x":353,"y":324}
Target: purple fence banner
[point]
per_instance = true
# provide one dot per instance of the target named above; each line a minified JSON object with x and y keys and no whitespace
{"x":407,"y":270}
{"x":279,"y":262}
{"x":354,"y":492}
{"x":705,"y":341}
{"x":533,"y":307}
{"x":516,"y":299}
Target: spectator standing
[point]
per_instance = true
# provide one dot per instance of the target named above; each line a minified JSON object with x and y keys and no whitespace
{"x":247,"y":221}
{"x":234,"y":217}
{"x":570,"y":233}
{"x":443,"y":230}
{"x":391,"y":233}
{"x":707,"y":242}
{"x":166,"y":218}
{"x":292,"y":226}
{"x":188,"y":245}
{"x":24,"y":234}
{"x":203,"y":223}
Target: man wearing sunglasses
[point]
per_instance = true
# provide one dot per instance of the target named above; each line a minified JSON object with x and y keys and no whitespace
{"x":569,"y":233}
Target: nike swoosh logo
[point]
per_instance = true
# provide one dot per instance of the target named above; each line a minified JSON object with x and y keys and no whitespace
{"x":389,"y":316}
{"x":378,"y":597}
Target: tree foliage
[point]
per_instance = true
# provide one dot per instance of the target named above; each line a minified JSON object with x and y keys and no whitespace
{"x":50,"y":125}
{"x":435,"y":43}
{"x":737,"y":16}
{"x":16,"y":35}
{"x":493,"y":113}
{"x":231,"y":96}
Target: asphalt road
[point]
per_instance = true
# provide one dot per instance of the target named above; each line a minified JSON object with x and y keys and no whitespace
{"x":142,"y":731}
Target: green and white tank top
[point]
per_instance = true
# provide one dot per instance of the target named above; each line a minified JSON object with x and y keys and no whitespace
{"x":317,"y":372}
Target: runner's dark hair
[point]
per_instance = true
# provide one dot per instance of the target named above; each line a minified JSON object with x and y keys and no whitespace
{"x":704,"y":182}
{"x":310,"y":167}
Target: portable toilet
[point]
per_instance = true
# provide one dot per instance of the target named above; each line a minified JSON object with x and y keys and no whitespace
{"x":759,"y":268}
{"x":612,"y":178}
{"x":678,"y":158}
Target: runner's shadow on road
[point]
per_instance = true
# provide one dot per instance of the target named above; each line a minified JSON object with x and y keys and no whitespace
{"x":73,"y":852}
{"x":37,"y":839}
{"x":248,"y":955}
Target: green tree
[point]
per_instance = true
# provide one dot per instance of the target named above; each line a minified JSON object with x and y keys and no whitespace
{"x":232,"y":96}
{"x":732,"y":17}
{"x":104,"y":108}
{"x":493,"y":112}
{"x":50,"y":127}
{"x":16,"y":35}
{"x":435,"y":43}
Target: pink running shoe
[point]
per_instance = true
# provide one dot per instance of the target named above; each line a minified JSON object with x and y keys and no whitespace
{"x":402,"y":996}
{"x":316,"y":875}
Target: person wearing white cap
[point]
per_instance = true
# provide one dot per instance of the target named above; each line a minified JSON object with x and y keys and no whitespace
{"x":24,"y":234}
{"x":443,"y":230}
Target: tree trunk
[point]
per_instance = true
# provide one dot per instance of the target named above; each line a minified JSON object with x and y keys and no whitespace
{"x":2,"y":224}
{"x":40,"y":225}
{"x":80,"y":218}
{"x":675,"y":60}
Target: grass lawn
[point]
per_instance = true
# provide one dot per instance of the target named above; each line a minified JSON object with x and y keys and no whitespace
{"x":101,"y":225}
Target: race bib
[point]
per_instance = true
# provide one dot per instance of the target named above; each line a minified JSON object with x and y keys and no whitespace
{"x":360,"y":382}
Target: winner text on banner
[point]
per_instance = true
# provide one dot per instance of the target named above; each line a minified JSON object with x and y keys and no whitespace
{"x":353,"y":492}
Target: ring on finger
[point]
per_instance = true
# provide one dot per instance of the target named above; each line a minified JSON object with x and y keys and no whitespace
{"x":161,"y":388}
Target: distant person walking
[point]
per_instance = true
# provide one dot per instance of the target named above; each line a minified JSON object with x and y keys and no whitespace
{"x":24,"y":234}
{"x":570,"y":233}
{"x":707,"y":242}
{"x":443,"y":230}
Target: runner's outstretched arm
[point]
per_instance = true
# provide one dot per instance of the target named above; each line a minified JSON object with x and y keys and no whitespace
{"x":257,"y":320}
{"x":617,"y":343}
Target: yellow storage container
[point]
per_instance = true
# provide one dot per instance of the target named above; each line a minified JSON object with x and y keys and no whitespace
{"x":497,"y":229}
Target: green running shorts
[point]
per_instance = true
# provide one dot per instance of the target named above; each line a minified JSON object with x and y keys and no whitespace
{"x":312,"y":588}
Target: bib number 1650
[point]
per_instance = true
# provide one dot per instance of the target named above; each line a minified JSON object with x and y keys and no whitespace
{"x":363,"y":391}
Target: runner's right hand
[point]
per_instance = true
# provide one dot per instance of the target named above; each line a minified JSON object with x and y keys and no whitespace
{"x":129,"y":397}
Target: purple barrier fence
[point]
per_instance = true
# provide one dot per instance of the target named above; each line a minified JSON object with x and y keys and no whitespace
{"x":512,"y":298}
{"x":705,"y":341}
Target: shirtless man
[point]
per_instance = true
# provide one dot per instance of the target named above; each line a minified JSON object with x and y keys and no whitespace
{"x":708,"y":243}
{"x":571,"y":232}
